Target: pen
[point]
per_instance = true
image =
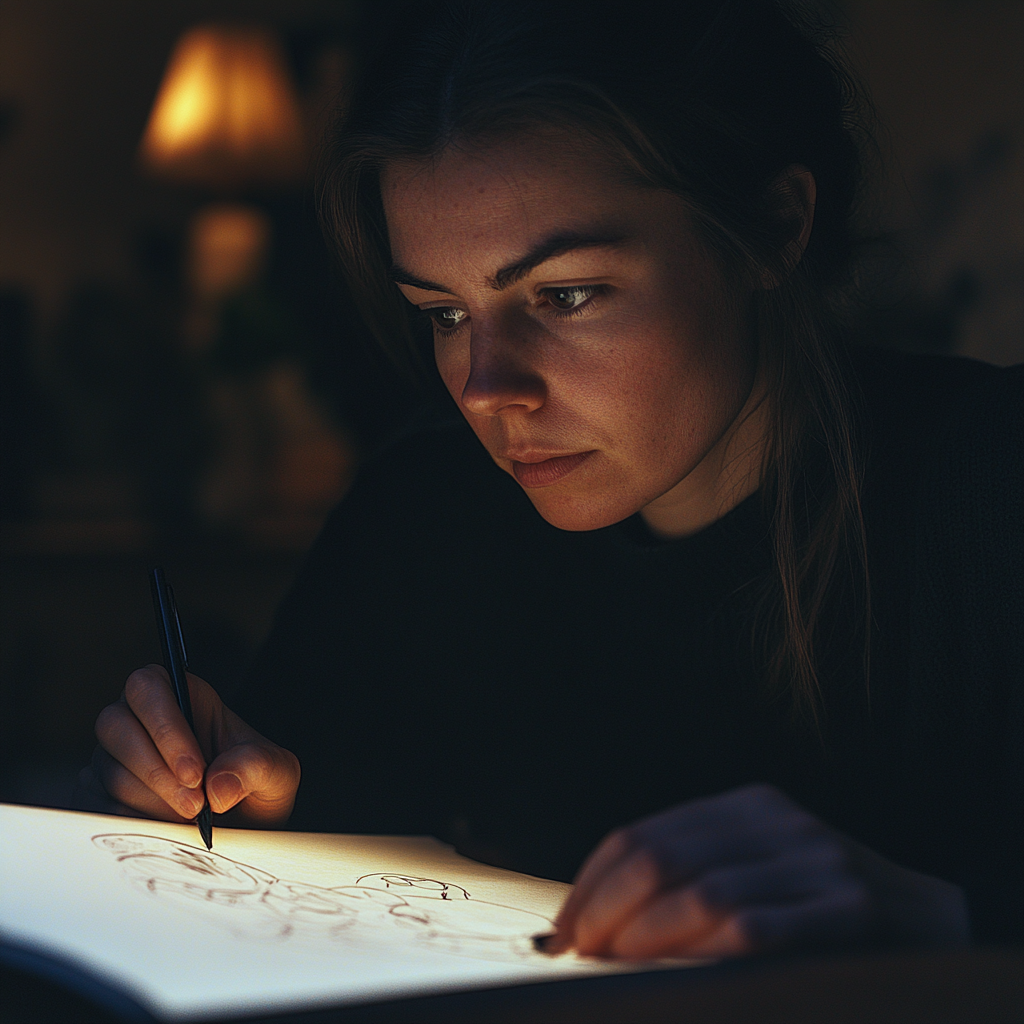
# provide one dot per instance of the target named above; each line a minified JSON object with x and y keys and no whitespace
{"x":172,"y":644}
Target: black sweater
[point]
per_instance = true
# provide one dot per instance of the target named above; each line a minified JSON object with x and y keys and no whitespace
{"x":448,"y":663}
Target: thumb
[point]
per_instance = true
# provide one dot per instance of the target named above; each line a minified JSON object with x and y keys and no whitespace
{"x":262,"y":774}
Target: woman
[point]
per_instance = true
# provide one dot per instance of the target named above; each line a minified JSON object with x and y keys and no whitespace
{"x":765,"y":631}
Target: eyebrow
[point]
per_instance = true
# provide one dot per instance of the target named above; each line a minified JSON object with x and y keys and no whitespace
{"x":557,"y":244}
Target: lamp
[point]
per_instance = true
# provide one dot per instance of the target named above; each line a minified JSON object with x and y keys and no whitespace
{"x":226,"y":114}
{"x":226,"y":118}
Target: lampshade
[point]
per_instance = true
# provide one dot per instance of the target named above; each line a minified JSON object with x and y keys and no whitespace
{"x":227,"y":113}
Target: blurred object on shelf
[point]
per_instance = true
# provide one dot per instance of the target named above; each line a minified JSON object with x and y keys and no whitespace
{"x":279,"y":456}
{"x":228,"y":246}
{"x":308,"y":464}
{"x":227,"y":251}
{"x":227,"y":114}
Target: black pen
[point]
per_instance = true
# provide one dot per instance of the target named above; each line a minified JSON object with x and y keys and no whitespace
{"x":172,"y":644}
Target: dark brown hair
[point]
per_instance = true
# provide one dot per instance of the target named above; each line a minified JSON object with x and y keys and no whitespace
{"x":713,"y":100}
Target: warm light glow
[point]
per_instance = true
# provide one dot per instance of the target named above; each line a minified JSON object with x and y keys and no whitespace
{"x":228,"y":245}
{"x":226,"y":113}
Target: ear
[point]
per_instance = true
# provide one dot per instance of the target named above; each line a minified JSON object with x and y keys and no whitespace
{"x":792,"y":196}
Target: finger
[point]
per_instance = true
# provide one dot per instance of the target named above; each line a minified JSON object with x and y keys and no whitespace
{"x":685,"y":922}
{"x":149,"y":695}
{"x":126,"y":741}
{"x":126,"y":789}
{"x":843,"y":914}
{"x":670,"y":925}
{"x":666,"y":861}
{"x":262,"y":774}
{"x":612,"y":849}
{"x":683,"y":919}
{"x":728,"y":939}
{"x":631,"y":884}
{"x":805,"y":872}
{"x":681,"y":845}
{"x":609,"y":852}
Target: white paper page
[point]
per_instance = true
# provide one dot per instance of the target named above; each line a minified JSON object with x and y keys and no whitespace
{"x":268,"y":920}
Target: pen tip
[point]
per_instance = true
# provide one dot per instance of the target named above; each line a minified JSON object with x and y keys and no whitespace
{"x":205,"y":823}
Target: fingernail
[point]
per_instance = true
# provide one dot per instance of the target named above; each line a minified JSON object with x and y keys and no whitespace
{"x":189,"y":771}
{"x":548,"y":942}
{"x":225,"y":791}
{"x":190,"y":801}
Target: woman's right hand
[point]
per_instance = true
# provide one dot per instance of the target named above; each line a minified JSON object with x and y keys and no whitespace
{"x":149,"y":762}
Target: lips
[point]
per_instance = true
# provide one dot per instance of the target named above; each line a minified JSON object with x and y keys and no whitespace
{"x":545,"y":472}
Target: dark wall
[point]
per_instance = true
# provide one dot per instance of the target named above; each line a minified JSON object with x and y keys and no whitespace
{"x":945,"y":76}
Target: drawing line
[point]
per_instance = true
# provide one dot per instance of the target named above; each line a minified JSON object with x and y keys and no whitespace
{"x":254,"y":904}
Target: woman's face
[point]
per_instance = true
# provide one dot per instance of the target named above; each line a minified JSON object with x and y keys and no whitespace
{"x":594,"y":346}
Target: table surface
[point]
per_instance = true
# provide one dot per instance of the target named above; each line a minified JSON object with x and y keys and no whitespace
{"x":979,"y":986}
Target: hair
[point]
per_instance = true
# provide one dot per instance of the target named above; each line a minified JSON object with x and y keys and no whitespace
{"x":712,"y":100}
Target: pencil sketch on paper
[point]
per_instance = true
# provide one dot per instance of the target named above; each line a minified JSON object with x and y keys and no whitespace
{"x":256,"y":905}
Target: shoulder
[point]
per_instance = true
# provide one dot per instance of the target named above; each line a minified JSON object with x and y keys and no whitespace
{"x":919,"y":394}
{"x":944,"y":485}
{"x":940,"y":420}
{"x":944,"y":497}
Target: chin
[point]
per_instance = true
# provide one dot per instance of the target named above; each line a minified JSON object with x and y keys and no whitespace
{"x":576,"y":513}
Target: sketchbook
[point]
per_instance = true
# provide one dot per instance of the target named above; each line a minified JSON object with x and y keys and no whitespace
{"x":267,"y":921}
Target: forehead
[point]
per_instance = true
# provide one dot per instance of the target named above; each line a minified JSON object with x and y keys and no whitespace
{"x":505,"y":193}
{"x":523,"y":161}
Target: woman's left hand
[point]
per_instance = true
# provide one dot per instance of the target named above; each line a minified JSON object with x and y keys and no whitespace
{"x":745,"y":872}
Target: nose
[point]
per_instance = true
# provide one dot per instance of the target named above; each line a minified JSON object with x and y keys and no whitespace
{"x":501,"y":378}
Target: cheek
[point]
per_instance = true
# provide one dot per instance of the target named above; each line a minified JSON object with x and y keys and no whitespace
{"x":452,"y":361}
{"x":641,"y":374}
{"x":674,"y":394}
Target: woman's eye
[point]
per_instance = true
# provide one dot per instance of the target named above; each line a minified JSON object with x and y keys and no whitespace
{"x":568,"y":299}
{"x":446,"y":318}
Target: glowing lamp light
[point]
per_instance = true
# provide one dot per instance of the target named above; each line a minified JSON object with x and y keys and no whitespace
{"x":227,"y":113}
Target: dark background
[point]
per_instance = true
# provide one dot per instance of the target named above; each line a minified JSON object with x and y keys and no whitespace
{"x":108,"y":439}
